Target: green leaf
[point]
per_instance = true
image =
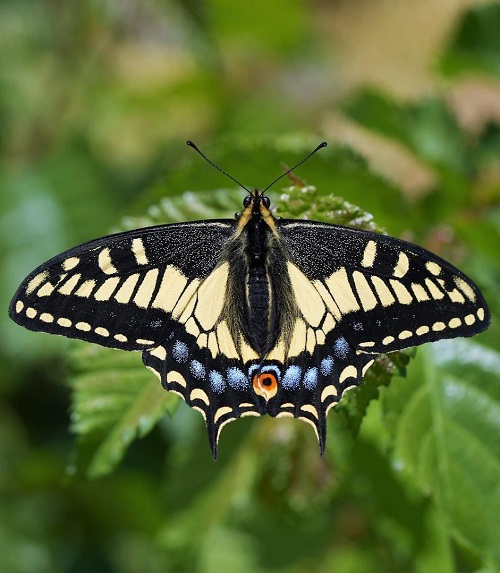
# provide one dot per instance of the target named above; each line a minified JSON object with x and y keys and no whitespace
{"x":115,"y":401}
{"x":444,"y":424}
{"x":427,"y":127}
{"x":476,"y":43}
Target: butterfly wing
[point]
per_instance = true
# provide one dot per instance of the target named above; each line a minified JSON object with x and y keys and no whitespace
{"x":124,"y":290}
{"x":387,"y":294}
{"x":161,"y":290}
{"x":359,"y":294}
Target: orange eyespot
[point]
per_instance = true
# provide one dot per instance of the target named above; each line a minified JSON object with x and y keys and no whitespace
{"x":265,"y":384}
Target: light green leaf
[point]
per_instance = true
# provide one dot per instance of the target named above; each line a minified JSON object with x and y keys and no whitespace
{"x":116,"y":399}
{"x":444,"y":423}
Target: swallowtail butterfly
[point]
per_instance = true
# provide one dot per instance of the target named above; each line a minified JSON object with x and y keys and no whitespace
{"x":256,"y":315}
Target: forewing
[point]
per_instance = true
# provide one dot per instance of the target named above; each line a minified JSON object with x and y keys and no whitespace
{"x":124,"y":291}
{"x":385,"y":294}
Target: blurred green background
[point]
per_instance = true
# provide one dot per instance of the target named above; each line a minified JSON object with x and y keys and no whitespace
{"x":97,"y":99}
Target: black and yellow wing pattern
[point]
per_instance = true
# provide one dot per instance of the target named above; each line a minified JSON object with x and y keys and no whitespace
{"x":255,"y":315}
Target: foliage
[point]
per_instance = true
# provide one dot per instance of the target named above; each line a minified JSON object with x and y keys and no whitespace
{"x":96,"y":101}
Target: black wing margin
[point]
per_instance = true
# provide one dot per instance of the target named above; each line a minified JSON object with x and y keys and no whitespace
{"x":124,"y":290}
{"x":385,"y":294}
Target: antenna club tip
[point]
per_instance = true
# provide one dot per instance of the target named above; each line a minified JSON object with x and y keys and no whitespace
{"x":323,"y":144}
{"x":189,"y":142}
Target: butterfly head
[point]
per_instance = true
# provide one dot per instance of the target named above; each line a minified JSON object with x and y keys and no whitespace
{"x":257,"y":201}
{"x":256,"y":208}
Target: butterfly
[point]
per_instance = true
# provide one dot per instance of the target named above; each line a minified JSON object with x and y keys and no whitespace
{"x":252,"y":315}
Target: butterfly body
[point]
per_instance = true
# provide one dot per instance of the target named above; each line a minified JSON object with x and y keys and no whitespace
{"x":253,"y":315}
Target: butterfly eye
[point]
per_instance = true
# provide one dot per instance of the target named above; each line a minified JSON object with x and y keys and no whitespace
{"x":266,"y":201}
{"x":247,"y":200}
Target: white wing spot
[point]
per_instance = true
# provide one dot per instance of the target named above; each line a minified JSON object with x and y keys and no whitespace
{"x":84,"y":326}
{"x":421,"y":330}
{"x":105,"y":263}
{"x":310,"y":340}
{"x":341,"y":291}
{"x":436,"y":292}
{"x":31,"y":312}
{"x":46,"y":317}
{"x":120,"y":337}
{"x":298,"y":339}
{"x":199,"y":394}
{"x":480,"y":314}
{"x":37,"y":281}
{"x":307,"y":297}
{"x":160,"y":352}
{"x":349,"y":372}
{"x":70,"y":263}
{"x":68,"y":287}
{"x":192,"y":327}
{"x":328,"y":324}
{"x":172,"y":285}
{"x":144,"y":341}
{"x":366,"y":367}
{"x":402,"y":266}
{"x":222,"y":412}
{"x":139,"y":252}
{"x":86,"y":289}
{"x":470,"y":319}
{"x":401,"y":292}
{"x":405,"y":334}
{"x":125,"y":292}
{"x":225,"y":340}
{"x":211,"y":296}
{"x":454,"y":323}
{"x":178,"y":378}
{"x":456,"y":296}
{"x":365,"y":293}
{"x":311,"y":410}
{"x":385,"y":295}
{"x":388,"y":340}
{"x":328,"y":391}
{"x":433,"y":268}
{"x":107,"y":288}
{"x":438,"y":326}
{"x":145,"y":291}
{"x":45,"y":290}
{"x":19,"y":306}
{"x":101,"y":331}
{"x":465,"y":288}
{"x":369,"y":254}
{"x":66,"y":322}
{"x":419,"y":292}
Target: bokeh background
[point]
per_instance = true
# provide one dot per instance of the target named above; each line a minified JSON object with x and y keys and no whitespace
{"x":97,"y":99}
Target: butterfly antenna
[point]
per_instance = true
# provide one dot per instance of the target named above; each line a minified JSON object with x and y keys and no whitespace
{"x":320,"y":146}
{"x":191,"y":144}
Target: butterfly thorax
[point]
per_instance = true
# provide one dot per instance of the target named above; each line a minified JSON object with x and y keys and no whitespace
{"x":259,"y":280}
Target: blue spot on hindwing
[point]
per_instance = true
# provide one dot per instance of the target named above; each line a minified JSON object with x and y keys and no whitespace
{"x":197,"y":369}
{"x":217,"y":382}
{"x":180,"y":351}
{"x":291,"y":378}
{"x":236,"y":378}
{"x":310,"y":380}
{"x":341,"y":348}
{"x":326,"y":366}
